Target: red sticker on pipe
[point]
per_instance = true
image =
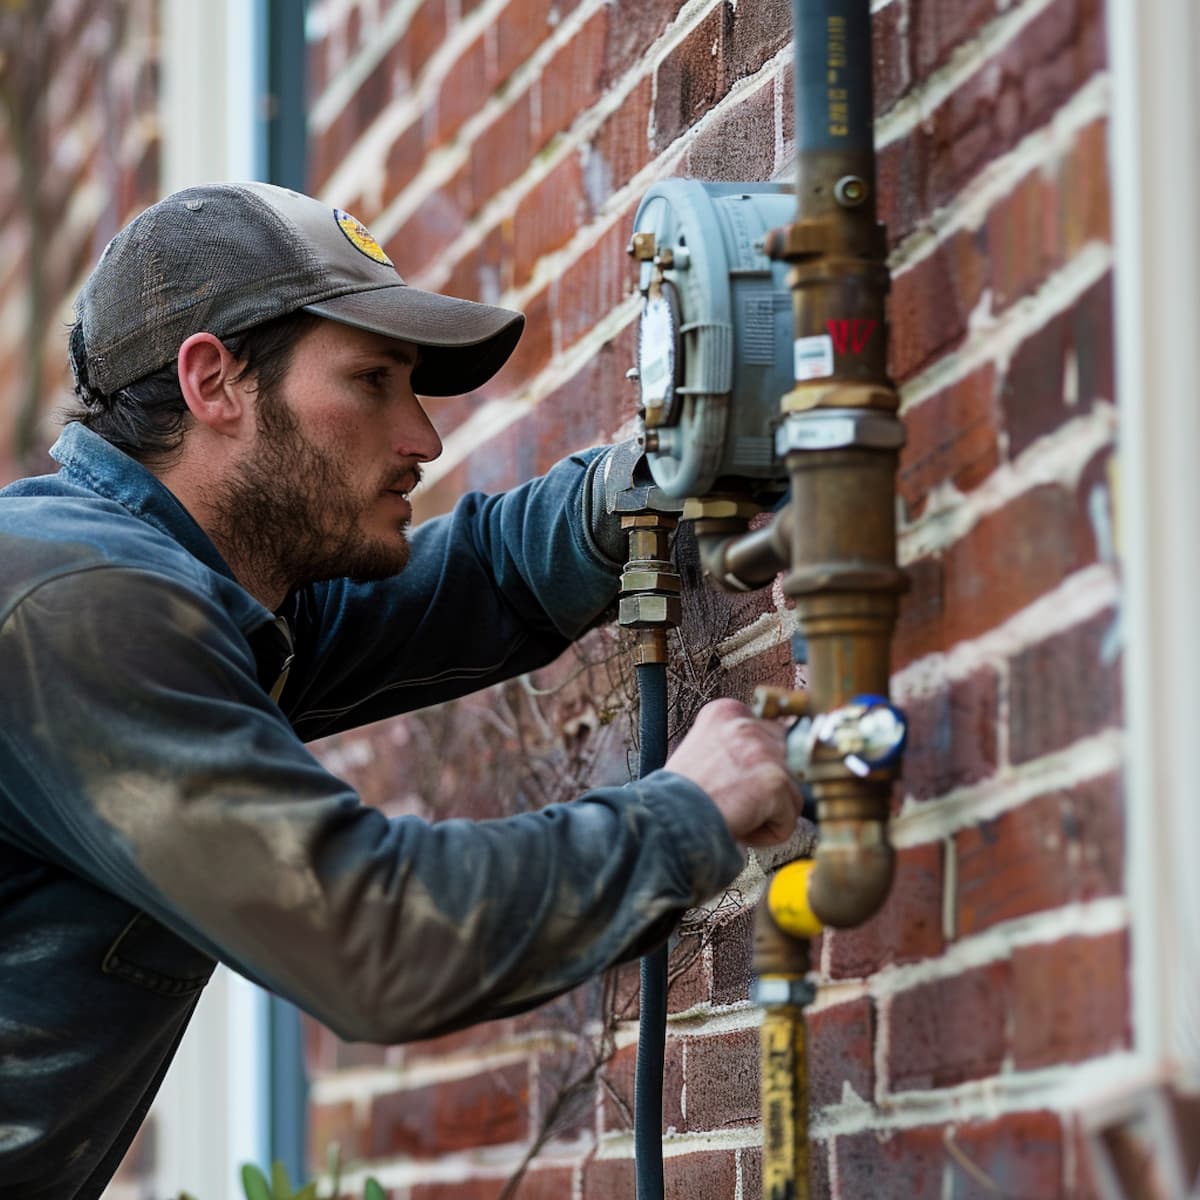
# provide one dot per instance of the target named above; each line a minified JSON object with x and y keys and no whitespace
{"x":851,"y":336}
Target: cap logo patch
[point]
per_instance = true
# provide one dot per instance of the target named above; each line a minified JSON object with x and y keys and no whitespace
{"x":360,"y":237}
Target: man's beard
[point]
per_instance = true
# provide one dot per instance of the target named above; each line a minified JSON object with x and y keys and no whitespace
{"x":290,"y":516}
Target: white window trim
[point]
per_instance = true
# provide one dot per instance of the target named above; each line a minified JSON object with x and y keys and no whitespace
{"x":1155,"y":171}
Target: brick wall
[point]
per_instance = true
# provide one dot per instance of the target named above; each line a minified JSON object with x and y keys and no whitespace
{"x":79,"y":155}
{"x":499,"y":148}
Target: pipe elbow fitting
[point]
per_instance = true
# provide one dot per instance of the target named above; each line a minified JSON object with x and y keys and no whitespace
{"x":744,"y":561}
{"x":855,"y":865}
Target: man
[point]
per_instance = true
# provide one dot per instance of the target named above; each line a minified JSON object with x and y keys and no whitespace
{"x":221,"y":571}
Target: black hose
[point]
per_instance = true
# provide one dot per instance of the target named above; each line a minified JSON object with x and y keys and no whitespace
{"x":833,"y":75}
{"x":652,"y":1026}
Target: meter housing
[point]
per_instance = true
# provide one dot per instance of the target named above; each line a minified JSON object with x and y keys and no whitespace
{"x":715,"y":335}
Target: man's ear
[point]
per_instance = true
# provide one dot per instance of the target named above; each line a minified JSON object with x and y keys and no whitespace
{"x":208,"y":379}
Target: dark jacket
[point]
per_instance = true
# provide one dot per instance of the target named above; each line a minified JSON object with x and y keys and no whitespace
{"x":159,"y":811}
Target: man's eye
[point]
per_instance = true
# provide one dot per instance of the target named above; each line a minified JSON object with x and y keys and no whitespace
{"x":374,"y":379}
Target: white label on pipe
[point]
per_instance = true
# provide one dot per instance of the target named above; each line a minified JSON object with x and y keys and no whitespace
{"x":814,"y":357}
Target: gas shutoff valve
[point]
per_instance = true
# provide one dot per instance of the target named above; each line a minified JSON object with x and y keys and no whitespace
{"x":715,"y":336}
{"x":868,"y":734}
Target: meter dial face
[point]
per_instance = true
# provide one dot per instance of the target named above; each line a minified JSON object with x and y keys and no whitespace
{"x":658,"y":354}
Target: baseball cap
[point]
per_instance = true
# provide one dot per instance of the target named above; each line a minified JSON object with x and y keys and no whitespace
{"x":224,"y":257}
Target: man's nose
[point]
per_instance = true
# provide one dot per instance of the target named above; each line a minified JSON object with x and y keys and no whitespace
{"x":417,"y":436}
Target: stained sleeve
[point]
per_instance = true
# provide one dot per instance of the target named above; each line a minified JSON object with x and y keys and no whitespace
{"x":499,"y":586}
{"x":145,"y":757}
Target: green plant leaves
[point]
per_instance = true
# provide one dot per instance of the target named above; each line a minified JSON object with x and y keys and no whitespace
{"x":255,"y":1184}
{"x":280,"y":1187}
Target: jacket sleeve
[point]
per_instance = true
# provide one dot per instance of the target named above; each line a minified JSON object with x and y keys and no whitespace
{"x":499,"y":586}
{"x":146,"y":758}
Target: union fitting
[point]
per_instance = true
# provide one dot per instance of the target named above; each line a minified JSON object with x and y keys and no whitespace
{"x":650,"y":586}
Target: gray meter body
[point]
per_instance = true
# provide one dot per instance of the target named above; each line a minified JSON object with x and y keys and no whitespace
{"x":715,"y":343}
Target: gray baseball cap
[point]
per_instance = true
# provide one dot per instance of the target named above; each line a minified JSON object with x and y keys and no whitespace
{"x":224,"y":257}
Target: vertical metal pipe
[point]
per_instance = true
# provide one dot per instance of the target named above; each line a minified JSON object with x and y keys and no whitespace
{"x":652,"y":1003}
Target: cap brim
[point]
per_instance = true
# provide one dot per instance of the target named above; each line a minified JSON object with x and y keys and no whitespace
{"x":463,"y":344}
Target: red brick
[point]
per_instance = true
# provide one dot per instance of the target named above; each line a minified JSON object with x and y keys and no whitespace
{"x":508,"y":462}
{"x":1065,"y":688}
{"x":1017,"y":1155}
{"x":425,"y":33}
{"x":1014,"y":92}
{"x":952,"y":736}
{"x":688,"y":981}
{"x":500,"y":153}
{"x":589,"y":407}
{"x":596,"y":284}
{"x":732,"y":955}
{"x":547,"y":216}
{"x":757,"y":31}
{"x":436,"y":222}
{"x":567,"y":1089}
{"x":939,"y":26}
{"x":722,"y":1073}
{"x":931,"y":303}
{"x":705,"y":1173}
{"x":740,"y":144}
{"x":901,"y":168}
{"x":1005,"y":562}
{"x":546,"y":1183}
{"x":1082,"y":192}
{"x":532,"y":353}
{"x":463,"y":1189}
{"x":388,"y":78}
{"x":952,"y":438}
{"x":908,"y":1163}
{"x":950,"y":1030}
{"x":1022,"y":240}
{"x":606,"y":1178}
{"x":1056,"y":849}
{"x":1033,"y":396}
{"x":691,"y":78}
{"x":634,"y":27}
{"x":1020,"y":1153}
{"x":1072,"y":1000}
{"x":890,"y":54}
{"x":519,"y":29}
{"x":571,"y":81}
{"x":907,"y":928}
{"x":405,"y":158}
{"x":841,"y":1052}
{"x":483,"y":1110}
{"x":620,"y":147}
{"x":467,"y":84}
{"x":617,"y":1091}
{"x":483,"y":273}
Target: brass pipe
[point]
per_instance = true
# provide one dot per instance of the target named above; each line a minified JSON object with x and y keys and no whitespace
{"x":780,"y":964}
{"x":744,"y":561}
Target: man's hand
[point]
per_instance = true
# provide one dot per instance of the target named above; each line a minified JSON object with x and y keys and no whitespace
{"x":739,"y":762}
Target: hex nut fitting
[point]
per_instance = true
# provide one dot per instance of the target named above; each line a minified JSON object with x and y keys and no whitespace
{"x":719,"y":507}
{"x":650,"y":581}
{"x":646,"y":610}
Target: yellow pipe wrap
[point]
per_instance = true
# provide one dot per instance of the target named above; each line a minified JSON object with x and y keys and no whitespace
{"x":787,"y":900}
{"x":784,"y":1104}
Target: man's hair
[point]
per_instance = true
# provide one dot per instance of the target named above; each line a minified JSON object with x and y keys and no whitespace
{"x":149,"y":418}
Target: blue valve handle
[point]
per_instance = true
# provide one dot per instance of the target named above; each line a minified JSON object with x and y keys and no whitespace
{"x":869,"y":733}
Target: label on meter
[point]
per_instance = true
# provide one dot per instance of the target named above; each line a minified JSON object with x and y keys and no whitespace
{"x":814,"y":357}
{"x":656,"y":354}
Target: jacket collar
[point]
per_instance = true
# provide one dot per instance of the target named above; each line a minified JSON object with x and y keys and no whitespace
{"x":88,"y":461}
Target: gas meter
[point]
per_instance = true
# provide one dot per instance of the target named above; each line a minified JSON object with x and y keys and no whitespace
{"x":715,"y":336}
